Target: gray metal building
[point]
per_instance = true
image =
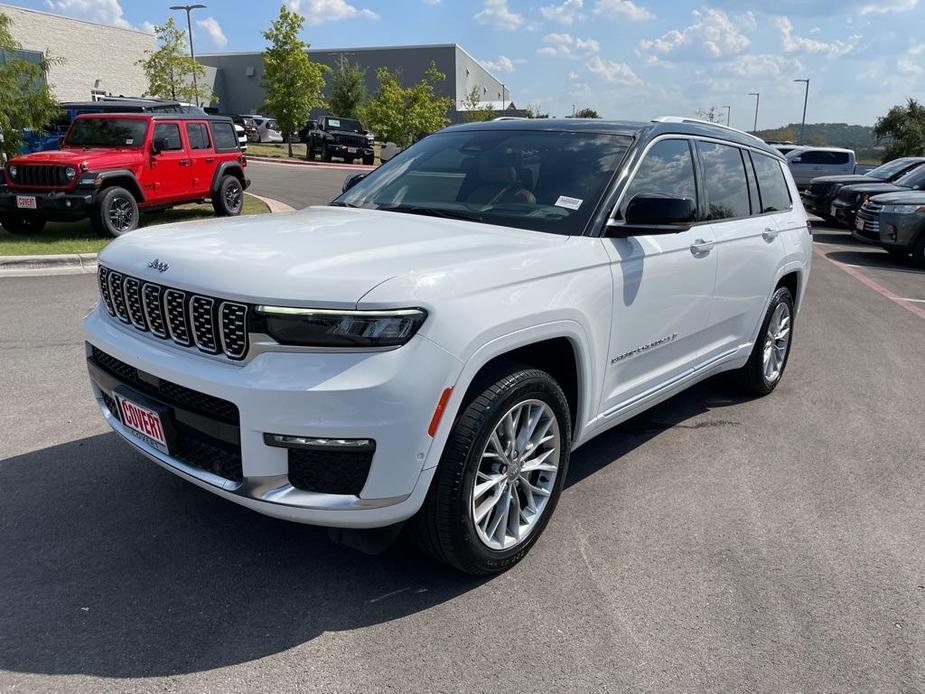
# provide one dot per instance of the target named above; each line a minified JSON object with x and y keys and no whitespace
{"x":235,"y":77}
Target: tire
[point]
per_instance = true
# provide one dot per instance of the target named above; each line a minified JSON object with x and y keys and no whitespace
{"x":22,"y":225}
{"x":918,"y":253}
{"x":228,"y":200}
{"x":325,"y":155}
{"x":446,"y":526}
{"x":116,"y":212}
{"x":760,"y":376}
{"x":310,"y":151}
{"x":368,"y":160}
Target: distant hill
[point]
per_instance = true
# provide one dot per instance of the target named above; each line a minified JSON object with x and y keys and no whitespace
{"x":860,"y":138}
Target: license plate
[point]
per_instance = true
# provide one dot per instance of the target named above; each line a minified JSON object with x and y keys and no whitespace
{"x":859,"y":224}
{"x":145,"y":423}
{"x":351,"y":150}
{"x":26,"y":202}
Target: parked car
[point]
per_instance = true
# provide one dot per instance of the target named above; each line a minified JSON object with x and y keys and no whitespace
{"x":782,"y":146}
{"x":849,"y":199}
{"x":332,"y":136}
{"x":807,"y":163}
{"x":267,"y":129}
{"x":819,"y":197}
{"x":434,"y":344}
{"x":900,"y":223}
{"x":113,"y":166}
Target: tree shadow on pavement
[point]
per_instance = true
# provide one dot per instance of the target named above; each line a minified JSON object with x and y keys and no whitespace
{"x":113,"y":567}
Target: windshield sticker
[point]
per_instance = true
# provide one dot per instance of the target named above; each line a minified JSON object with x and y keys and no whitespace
{"x":130,"y":140}
{"x":333,"y":123}
{"x":569,"y":203}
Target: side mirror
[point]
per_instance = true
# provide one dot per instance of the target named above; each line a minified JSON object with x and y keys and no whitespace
{"x":159,"y":145}
{"x":655,"y":214}
{"x":352,"y":180}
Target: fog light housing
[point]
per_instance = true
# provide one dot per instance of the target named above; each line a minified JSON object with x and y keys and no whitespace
{"x":326,"y":466}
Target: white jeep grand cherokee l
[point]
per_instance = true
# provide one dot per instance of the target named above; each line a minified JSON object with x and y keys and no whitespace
{"x":434,"y":344}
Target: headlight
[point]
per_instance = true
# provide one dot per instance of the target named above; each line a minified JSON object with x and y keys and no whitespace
{"x":70,"y":172}
{"x":904,"y":209}
{"x":13,"y":171}
{"x":310,"y":327}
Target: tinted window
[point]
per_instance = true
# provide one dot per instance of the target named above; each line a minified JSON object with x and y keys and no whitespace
{"x":891,"y":169}
{"x":724,"y":181}
{"x":198,"y":136}
{"x":839,"y":158}
{"x":107,"y":132}
{"x":812,"y":158}
{"x":169,"y":132}
{"x":224,"y":136}
{"x":772,"y":186}
{"x":668,"y":170}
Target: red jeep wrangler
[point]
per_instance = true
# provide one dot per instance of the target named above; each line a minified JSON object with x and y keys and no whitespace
{"x":110,"y":166}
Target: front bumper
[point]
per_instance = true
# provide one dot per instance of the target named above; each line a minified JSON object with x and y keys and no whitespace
{"x":900,"y":231}
{"x":815,"y":204}
{"x":75,"y":202}
{"x":844,"y":212}
{"x":357,"y":151}
{"x":388,"y":397}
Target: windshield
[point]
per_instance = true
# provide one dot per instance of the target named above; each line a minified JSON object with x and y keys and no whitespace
{"x":913,"y":179}
{"x":107,"y":132}
{"x":886,"y":171}
{"x":549,"y":181}
{"x":348,"y":124}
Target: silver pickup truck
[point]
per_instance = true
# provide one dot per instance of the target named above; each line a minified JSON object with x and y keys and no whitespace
{"x":807,"y":163}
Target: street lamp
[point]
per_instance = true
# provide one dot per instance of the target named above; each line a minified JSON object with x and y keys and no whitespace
{"x":805,"y":99}
{"x":728,"y":114}
{"x":189,"y":27}
{"x":757,"y":96}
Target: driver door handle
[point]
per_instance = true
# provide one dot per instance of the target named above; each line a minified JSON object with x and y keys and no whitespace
{"x":769,"y":234}
{"x":701,"y":247}
{"x":183,"y":162}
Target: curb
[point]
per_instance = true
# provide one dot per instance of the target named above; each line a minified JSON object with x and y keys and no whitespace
{"x":316,"y":164}
{"x":77,"y":263}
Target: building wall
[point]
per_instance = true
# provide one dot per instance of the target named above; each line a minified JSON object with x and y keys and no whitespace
{"x":238,"y":75}
{"x":91,"y":53}
{"x":470,"y":73}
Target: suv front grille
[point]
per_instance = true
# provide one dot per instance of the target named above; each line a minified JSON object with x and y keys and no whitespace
{"x":46,"y":175}
{"x":212,"y":325}
{"x":351,"y":140}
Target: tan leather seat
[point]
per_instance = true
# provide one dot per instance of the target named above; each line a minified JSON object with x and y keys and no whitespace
{"x":499,"y":185}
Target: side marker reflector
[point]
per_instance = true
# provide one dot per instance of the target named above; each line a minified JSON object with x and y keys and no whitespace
{"x":438,"y":412}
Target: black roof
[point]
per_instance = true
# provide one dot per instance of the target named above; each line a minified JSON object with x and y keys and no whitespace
{"x":642,"y":131}
{"x":158,"y":115}
{"x":125,"y":103}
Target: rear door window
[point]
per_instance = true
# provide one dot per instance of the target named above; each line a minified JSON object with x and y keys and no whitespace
{"x":224,"y":136}
{"x":198,"y":136}
{"x":772,"y":186}
{"x":724,"y":181}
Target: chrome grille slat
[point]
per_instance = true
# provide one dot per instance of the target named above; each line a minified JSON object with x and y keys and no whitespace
{"x":206,"y":323}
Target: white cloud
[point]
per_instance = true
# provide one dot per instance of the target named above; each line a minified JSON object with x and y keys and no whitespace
{"x":567,"y":46}
{"x":497,"y":14}
{"x":616,"y":73}
{"x":802,"y":44}
{"x":101,"y":11}
{"x":320,"y":11}
{"x":567,"y":13}
{"x":622,"y":9}
{"x":912,"y":62}
{"x":214,"y":31}
{"x":502,"y":64}
{"x":713,"y":34}
{"x":888,"y":6}
{"x":147,"y":27}
{"x":431,"y":2}
{"x":762,"y":65}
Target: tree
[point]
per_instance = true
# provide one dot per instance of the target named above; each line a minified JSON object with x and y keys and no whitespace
{"x":170,"y":70}
{"x":348,"y":89}
{"x":473,"y":109}
{"x":904,"y":127}
{"x":399,"y":114}
{"x":533,"y":111}
{"x":26,"y":100}
{"x":712,"y":114}
{"x":293,"y":82}
{"x":586,"y":113}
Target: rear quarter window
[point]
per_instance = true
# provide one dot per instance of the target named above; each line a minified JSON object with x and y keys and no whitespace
{"x":772,"y":186}
{"x":224,"y":137}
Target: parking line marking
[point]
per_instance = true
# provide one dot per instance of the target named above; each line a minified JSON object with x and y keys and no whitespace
{"x":876,"y":286}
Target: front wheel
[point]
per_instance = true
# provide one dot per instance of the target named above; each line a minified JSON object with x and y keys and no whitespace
{"x":325,"y":154}
{"x":765,"y":366}
{"x":501,"y":473}
{"x":228,"y":200}
{"x":116,"y":212}
{"x":23,"y":225}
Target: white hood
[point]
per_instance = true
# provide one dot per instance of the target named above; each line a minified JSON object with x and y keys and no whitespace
{"x":325,"y":256}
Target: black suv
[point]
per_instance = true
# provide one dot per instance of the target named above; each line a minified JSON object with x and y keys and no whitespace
{"x":847,"y":205}
{"x":332,"y":136}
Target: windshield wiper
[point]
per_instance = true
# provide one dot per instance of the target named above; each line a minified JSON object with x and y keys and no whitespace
{"x":434,"y":212}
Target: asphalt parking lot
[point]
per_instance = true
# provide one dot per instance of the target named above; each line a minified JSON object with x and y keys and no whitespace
{"x":711,"y":544}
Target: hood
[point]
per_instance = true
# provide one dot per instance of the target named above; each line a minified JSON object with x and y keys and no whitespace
{"x":848,"y":192}
{"x":904,"y":197}
{"x":96,"y":158}
{"x":846,"y":179}
{"x":325,"y":257}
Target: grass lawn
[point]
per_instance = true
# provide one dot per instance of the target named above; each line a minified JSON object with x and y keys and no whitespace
{"x":78,"y":237}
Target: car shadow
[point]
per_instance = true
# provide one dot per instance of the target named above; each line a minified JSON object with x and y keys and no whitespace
{"x":874,"y":258}
{"x":831,"y":236}
{"x":112,"y":567}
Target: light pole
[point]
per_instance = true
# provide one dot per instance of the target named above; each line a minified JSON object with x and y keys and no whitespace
{"x":805,"y":99}
{"x":757,"y":96}
{"x":189,"y":28}
{"x":728,"y":115}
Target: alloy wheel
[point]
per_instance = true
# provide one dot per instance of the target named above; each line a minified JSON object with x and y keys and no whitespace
{"x":121,"y":213}
{"x":777,"y":342}
{"x":233,"y":197}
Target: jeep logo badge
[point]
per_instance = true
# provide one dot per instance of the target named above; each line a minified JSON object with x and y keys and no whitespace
{"x":156,"y":264}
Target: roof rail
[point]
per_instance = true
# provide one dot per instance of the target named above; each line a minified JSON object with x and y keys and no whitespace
{"x":685,"y":119}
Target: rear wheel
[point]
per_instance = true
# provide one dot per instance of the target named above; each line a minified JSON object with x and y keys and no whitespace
{"x":116,"y":212}
{"x":228,"y":200}
{"x":765,"y":366}
{"x":500,"y":475}
{"x":21,"y":224}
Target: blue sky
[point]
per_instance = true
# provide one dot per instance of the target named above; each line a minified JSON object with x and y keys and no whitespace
{"x":626,"y":58}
